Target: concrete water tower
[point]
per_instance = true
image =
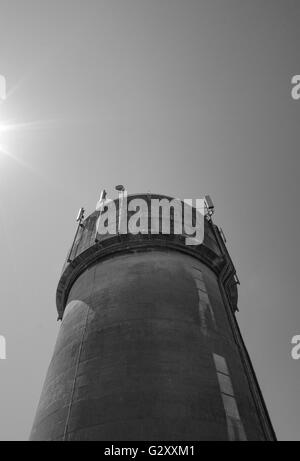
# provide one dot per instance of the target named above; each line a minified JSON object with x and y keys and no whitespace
{"x":149,"y":347}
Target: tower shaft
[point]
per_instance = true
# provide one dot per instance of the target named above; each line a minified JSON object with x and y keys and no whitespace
{"x":149,"y":347}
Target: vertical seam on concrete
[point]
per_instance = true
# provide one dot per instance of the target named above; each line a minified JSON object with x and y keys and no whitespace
{"x":76,"y":368}
{"x":75,"y":376}
{"x":235,"y":427}
{"x":257,"y":397}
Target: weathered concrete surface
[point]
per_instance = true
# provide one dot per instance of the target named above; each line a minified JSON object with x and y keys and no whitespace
{"x":134,"y":356}
{"x":149,"y":347}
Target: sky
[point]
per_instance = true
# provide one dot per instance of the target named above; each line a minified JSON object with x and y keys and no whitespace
{"x":183,"y":98}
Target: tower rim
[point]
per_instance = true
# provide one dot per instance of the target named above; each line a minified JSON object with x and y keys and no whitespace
{"x":124,"y":244}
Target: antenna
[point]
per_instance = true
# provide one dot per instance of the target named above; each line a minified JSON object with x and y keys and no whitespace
{"x":210,"y":208}
{"x":80,"y":216}
{"x":99,"y":207}
{"x":79,"y":219}
{"x":100,"y":203}
{"x":236,"y":279}
{"x":103,"y":194}
{"x":120,"y":188}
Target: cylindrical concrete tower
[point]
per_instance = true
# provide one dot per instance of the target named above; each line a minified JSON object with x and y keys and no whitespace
{"x":149,"y":347}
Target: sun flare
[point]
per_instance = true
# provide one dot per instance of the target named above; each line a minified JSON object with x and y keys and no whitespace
{"x":15,"y":133}
{"x":4,"y":129}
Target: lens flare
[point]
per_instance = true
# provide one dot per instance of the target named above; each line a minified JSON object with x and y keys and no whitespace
{"x":10,"y":129}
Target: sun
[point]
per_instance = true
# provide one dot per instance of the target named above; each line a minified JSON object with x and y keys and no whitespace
{"x":5,"y":124}
{"x":9,"y":131}
{"x":5,"y":128}
{"x":9,"y":128}
{"x":13,"y":130}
